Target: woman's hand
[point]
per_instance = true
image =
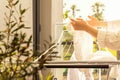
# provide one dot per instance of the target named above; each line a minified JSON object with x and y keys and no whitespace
{"x":95,"y":22}
{"x":79,"y":24}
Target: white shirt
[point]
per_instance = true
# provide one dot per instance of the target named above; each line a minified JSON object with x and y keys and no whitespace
{"x":110,"y":37}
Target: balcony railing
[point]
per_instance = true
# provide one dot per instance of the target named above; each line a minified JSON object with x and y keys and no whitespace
{"x":79,"y":64}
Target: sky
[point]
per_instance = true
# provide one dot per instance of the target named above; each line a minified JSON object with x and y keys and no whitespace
{"x":111,"y":12}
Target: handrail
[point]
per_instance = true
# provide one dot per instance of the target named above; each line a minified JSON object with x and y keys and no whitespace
{"x":85,"y":62}
{"x":80,"y":64}
{"x":75,"y":66}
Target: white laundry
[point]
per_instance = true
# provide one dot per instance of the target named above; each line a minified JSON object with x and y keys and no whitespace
{"x":75,"y":74}
{"x":81,"y":53}
{"x":106,"y":56}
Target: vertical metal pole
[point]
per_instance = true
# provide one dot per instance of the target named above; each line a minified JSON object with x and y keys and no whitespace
{"x":36,"y":25}
{"x":36,"y":32}
{"x":99,"y":74}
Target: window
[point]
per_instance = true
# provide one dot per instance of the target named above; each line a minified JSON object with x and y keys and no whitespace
{"x":83,"y":8}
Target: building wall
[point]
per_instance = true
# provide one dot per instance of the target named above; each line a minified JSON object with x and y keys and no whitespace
{"x":45,"y":19}
{"x":50,"y":15}
{"x":27,"y":17}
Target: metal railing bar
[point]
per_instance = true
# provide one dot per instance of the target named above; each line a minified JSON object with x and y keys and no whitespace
{"x":75,"y":66}
{"x":82,"y":61}
{"x":85,"y":62}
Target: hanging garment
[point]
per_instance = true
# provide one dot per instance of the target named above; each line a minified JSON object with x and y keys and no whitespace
{"x":106,"y":56}
{"x":75,"y":74}
{"x":110,"y":36}
{"x":83,"y":46}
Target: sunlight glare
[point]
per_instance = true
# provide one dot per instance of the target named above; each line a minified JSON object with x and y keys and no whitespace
{"x":111,"y":8}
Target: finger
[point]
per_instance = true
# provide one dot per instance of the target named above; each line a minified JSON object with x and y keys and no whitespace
{"x":73,"y":23}
{"x":78,"y":19}
{"x":73,"y":20}
{"x":91,"y":17}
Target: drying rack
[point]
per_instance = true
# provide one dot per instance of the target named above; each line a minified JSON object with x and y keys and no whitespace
{"x":80,"y":64}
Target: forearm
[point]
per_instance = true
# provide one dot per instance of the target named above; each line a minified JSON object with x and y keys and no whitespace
{"x":91,"y":31}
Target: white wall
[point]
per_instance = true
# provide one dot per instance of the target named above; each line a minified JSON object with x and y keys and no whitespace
{"x":50,"y":14}
{"x":27,"y":18}
{"x":45,"y":19}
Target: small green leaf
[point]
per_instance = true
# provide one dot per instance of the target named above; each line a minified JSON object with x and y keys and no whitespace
{"x":13,"y":25}
{"x":7,"y":7}
{"x":50,"y":76}
{"x":23,"y":11}
{"x":16,"y":2}
{"x":27,"y":27}
{"x":20,"y":27}
{"x":29,"y":41}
